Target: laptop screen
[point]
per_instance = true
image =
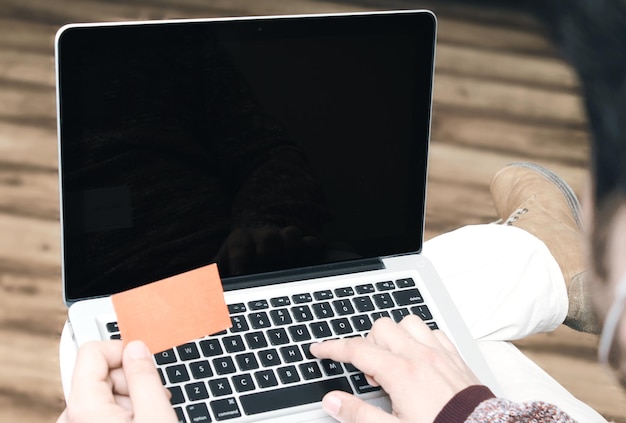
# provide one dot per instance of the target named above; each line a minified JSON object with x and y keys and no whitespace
{"x":264,"y":145}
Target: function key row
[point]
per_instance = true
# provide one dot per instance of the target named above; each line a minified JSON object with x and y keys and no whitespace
{"x":320,"y":295}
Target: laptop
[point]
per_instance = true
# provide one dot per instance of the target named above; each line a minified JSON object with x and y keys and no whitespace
{"x":291,"y":151}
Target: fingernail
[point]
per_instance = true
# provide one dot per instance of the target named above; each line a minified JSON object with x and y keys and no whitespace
{"x":331,"y":404}
{"x":137,"y":350}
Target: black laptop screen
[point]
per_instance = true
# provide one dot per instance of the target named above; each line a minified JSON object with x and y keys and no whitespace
{"x":262,"y":145}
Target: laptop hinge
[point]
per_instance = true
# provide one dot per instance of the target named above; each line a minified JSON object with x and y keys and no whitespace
{"x":304,"y":273}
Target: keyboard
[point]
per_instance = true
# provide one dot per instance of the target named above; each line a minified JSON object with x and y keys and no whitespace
{"x":263,"y":364}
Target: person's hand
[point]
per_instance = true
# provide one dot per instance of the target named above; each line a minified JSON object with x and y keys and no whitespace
{"x":114,"y":384}
{"x":420,"y":369}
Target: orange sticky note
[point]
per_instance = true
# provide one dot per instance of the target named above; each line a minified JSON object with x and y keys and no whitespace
{"x":174,"y":310}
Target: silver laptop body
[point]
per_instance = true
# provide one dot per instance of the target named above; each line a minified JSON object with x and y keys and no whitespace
{"x":290,"y":150}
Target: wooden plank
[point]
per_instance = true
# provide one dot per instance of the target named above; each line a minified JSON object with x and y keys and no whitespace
{"x":458,"y":182}
{"x":511,"y":137}
{"x":450,"y":205}
{"x":25,"y":35}
{"x":29,"y":366}
{"x":27,"y":67}
{"x":30,"y":244}
{"x":29,"y":193}
{"x":459,"y":163}
{"x":32,"y":303}
{"x":531,"y":105}
{"x":544,"y":72}
{"x":463,"y":33}
{"x":28,"y":104}
{"x":28,"y":146}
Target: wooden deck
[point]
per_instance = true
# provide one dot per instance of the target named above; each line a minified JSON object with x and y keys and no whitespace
{"x":501,"y":95}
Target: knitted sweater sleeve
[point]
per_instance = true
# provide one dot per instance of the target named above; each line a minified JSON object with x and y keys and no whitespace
{"x":498,"y":410}
{"x":477,"y":404}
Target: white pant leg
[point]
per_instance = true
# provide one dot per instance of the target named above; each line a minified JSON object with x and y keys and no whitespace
{"x":507,"y":285}
{"x":504,"y":280}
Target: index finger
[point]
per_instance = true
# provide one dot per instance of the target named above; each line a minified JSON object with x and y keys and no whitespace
{"x":91,"y":385}
{"x":371,"y":359}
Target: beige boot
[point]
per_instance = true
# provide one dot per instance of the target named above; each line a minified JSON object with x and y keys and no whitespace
{"x":532,"y":198}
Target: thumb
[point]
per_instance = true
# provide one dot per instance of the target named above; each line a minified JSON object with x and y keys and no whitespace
{"x":147,"y":395}
{"x":347,"y":408}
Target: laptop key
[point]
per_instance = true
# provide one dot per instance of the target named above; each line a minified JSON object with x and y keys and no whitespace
{"x":112,"y":327}
{"x":320,"y":330}
{"x":224,"y":365}
{"x":177,"y":374}
{"x":361,"y":385}
{"x":408,"y":296}
{"x":294,"y":395}
{"x":247,"y":361}
{"x":259,"y":320}
{"x":269,"y":357}
{"x":422,"y":311}
{"x":299,"y":333}
{"x":239,"y":324}
{"x":281,"y":317}
{"x":258,"y":305}
{"x":280,"y":301}
{"x":291,"y":354}
{"x":211,"y":347}
{"x":302,"y":298}
{"x":198,"y":413}
{"x":266,"y":378}
{"x":341,"y":326}
{"x":384,"y":300}
{"x":344,"y":292}
{"x":256,"y":340}
{"x":367,"y":288}
{"x":351,"y":367}
{"x":115,"y":336}
{"x":385,"y":286}
{"x":310,"y":370}
{"x":323,"y":310}
{"x":343,"y":307}
{"x":405,"y":283}
{"x":399,"y":314}
{"x":165,"y":357}
{"x":220,"y":387}
{"x":200,"y":369}
{"x":306,"y":349}
{"x":323,"y":295}
{"x":233,"y":343}
{"x":378,"y":314}
{"x":278,"y":336}
{"x":363,"y":304}
{"x":432,"y":325}
{"x":302,"y":313}
{"x":224,"y":409}
{"x":236,"y":308}
{"x":180,"y":416}
{"x":177,"y":395}
{"x":361,"y":322}
{"x":188,"y":351}
{"x":288,"y":374}
{"x":196,"y":391}
{"x":243,"y":383}
{"x":331,"y":367}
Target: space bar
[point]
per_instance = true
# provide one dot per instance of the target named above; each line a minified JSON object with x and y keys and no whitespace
{"x":292,"y":396}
